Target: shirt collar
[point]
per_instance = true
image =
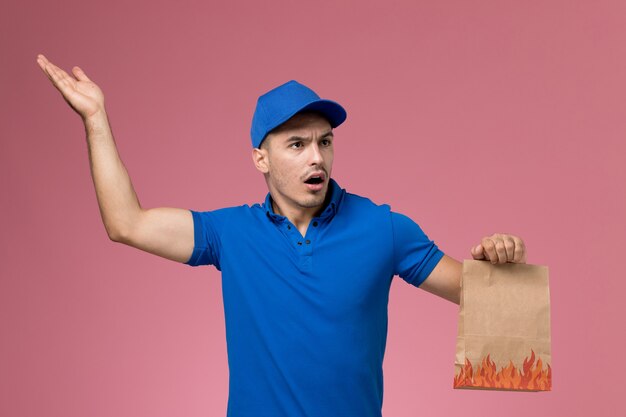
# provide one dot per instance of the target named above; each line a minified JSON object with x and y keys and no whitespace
{"x":336,"y":197}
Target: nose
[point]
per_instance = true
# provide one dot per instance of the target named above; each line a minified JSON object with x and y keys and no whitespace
{"x":315,"y":157}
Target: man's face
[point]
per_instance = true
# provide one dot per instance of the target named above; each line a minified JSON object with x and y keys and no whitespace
{"x":297,"y":160}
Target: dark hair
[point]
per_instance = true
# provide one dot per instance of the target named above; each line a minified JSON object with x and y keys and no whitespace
{"x":264,"y":142}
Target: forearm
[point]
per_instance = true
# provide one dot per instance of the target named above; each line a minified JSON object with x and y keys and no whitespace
{"x":117,"y":200}
{"x":445,"y":280}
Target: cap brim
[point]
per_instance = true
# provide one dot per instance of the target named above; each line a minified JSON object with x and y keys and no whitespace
{"x":332,"y":110}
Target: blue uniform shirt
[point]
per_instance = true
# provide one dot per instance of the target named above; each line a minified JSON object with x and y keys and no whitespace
{"x":306,"y":317}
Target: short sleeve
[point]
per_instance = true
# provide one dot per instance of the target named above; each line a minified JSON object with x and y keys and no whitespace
{"x":207,"y":227}
{"x":415,"y":256}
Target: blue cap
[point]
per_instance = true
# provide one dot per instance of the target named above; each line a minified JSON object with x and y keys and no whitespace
{"x":281,"y":103}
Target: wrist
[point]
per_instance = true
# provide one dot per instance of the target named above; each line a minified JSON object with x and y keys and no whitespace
{"x":98,"y":115}
{"x":97,"y":121}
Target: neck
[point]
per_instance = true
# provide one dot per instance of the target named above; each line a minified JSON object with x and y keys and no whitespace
{"x":300,"y":217}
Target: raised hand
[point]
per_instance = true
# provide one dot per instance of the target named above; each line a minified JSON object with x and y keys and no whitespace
{"x":82,"y":94}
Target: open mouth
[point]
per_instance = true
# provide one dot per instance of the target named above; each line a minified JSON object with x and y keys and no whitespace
{"x":314,"y":180}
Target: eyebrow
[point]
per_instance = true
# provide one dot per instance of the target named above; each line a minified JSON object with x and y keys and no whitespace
{"x":297,"y":138}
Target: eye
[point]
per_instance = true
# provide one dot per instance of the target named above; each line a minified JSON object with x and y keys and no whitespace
{"x":296,"y":145}
{"x":326,"y":142}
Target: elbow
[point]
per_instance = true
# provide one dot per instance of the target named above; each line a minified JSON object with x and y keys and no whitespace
{"x":121,"y":231}
{"x":114,"y":236}
{"x":117,"y":235}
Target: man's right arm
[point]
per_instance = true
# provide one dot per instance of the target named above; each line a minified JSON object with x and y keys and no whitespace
{"x":166,"y":232}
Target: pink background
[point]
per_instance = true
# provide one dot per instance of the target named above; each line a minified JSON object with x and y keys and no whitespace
{"x":471,"y":117}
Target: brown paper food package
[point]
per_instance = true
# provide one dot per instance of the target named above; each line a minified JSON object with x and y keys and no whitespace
{"x":503,"y":341}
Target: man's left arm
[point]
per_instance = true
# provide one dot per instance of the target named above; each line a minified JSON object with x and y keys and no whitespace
{"x":445,"y":279}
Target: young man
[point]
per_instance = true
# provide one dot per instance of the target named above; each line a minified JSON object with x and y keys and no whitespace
{"x":305,"y":275}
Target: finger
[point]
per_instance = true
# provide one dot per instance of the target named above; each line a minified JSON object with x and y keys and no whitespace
{"x":42,"y":60}
{"x":80,"y":74}
{"x":509,"y":247}
{"x":520,"y":252}
{"x":500,"y":251}
{"x":48,"y":69}
{"x":61,"y":79}
{"x":56,"y":72}
{"x":490,"y":250}
{"x":477,"y":252}
{"x":42,"y":64}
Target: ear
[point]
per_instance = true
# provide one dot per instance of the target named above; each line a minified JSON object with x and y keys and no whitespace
{"x":260,"y":158}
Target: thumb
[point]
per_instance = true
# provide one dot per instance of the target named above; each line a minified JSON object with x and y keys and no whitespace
{"x":80,"y":74}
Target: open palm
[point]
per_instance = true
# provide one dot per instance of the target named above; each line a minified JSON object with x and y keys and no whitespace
{"x":82,"y":94}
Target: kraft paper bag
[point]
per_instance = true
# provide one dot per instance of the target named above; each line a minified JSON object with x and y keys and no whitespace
{"x":503,"y":338}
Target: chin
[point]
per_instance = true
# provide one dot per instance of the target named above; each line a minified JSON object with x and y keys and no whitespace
{"x":314,"y":201}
